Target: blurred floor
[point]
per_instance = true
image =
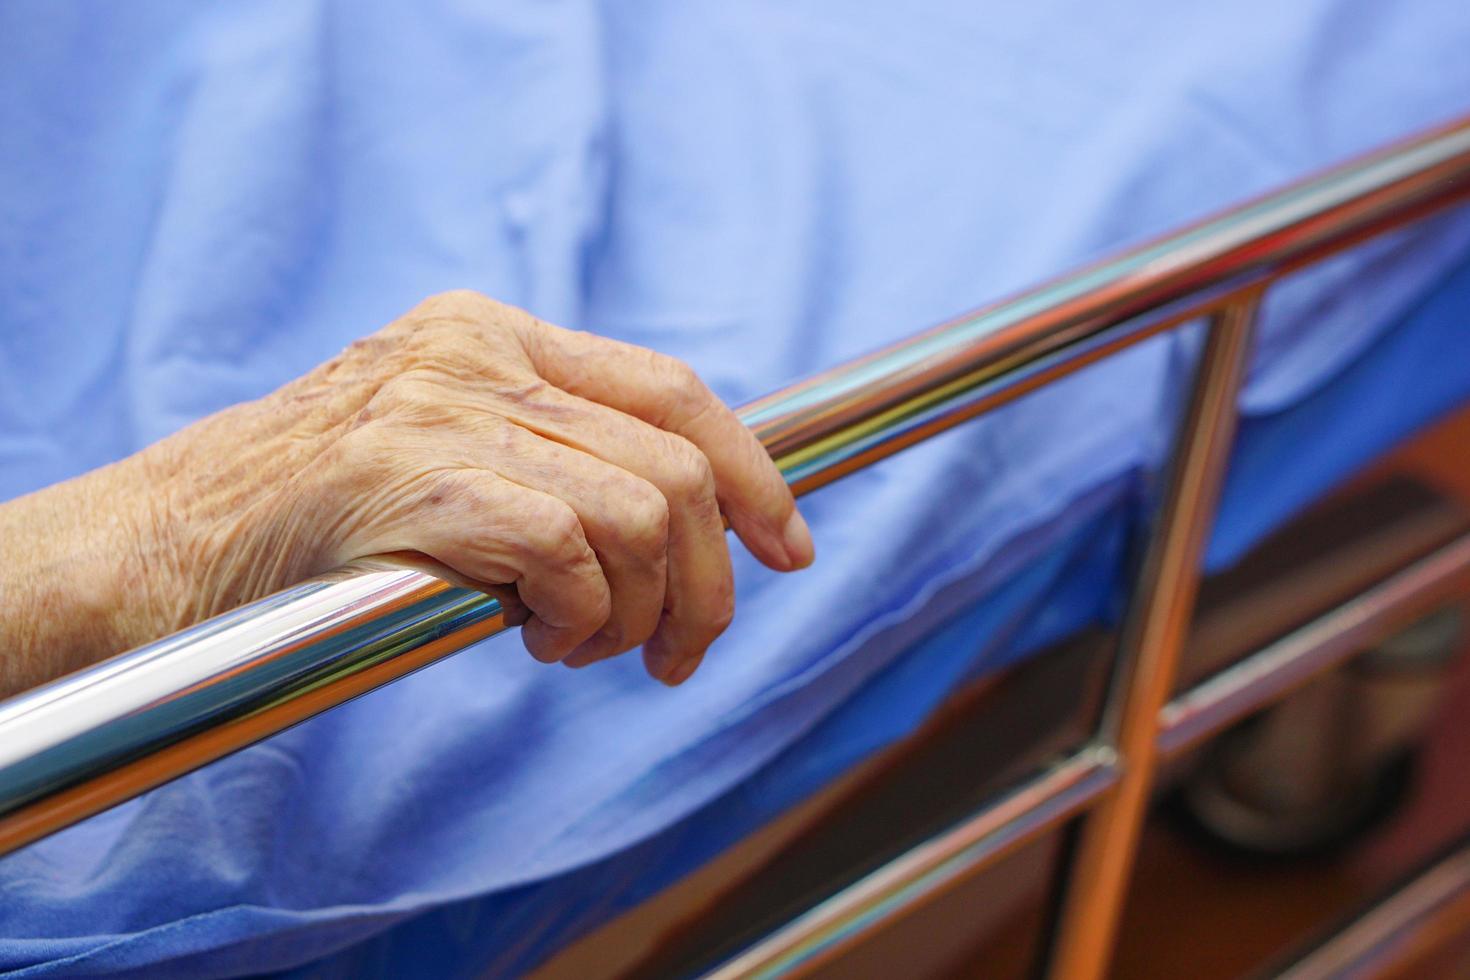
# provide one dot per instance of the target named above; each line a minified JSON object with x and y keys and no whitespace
{"x":1203,"y":915}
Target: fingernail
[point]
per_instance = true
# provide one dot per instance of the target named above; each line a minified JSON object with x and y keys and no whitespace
{"x":798,"y":540}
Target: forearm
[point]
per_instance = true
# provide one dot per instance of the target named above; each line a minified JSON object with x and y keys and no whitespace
{"x":83,"y":575}
{"x":176,"y":533}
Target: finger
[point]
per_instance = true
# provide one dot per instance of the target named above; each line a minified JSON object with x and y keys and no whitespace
{"x":699,"y":599}
{"x":666,"y":393}
{"x":512,"y":610}
{"x":494,"y":531}
{"x":625,"y":519}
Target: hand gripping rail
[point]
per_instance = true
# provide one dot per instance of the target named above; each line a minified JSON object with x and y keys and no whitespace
{"x":88,"y":741}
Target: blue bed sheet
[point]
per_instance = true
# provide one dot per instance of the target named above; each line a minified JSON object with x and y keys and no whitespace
{"x":198,"y":202}
{"x":1072,"y":583}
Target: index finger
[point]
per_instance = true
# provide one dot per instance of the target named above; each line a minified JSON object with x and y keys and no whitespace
{"x":666,"y":393}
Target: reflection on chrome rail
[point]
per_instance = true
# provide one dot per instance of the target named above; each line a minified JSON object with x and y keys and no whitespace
{"x":135,"y":721}
{"x":103,"y":735}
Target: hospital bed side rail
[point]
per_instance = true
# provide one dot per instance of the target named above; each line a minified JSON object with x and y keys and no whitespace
{"x":90,"y":740}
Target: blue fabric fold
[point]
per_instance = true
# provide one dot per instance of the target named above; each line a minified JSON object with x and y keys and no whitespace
{"x":199,"y":202}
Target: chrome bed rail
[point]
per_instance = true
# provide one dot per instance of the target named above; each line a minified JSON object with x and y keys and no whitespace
{"x":110,"y":732}
{"x":1397,"y":933}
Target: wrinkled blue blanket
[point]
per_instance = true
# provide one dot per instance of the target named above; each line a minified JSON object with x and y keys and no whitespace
{"x":200,"y":201}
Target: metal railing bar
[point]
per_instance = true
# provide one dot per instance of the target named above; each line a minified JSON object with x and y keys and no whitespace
{"x":131,"y":723}
{"x":1430,"y":909}
{"x":1262,"y":678}
{"x":924,"y":871}
{"x":1033,"y":365}
{"x":98,"y":737}
{"x":1281,"y":667}
{"x":1258,"y":240}
{"x":1265,"y":676}
{"x":1150,"y":644}
{"x":64,"y":758}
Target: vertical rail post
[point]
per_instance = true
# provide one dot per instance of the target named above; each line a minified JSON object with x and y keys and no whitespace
{"x":1154,"y":629}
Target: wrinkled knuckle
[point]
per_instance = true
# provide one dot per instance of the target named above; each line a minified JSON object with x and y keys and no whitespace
{"x":363,"y":446}
{"x":688,"y":474}
{"x":363,"y":350}
{"x":688,"y":389}
{"x":590,"y":606}
{"x":645,"y":520}
{"x":436,"y":330}
{"x":532,"y":393}
{"x":557,"y":536}
{"x":678,"y":375}
{"x":462,"y":297}
{"x":410,"y":399}
{"x":393,"y":395}
{"x":452,"y":303}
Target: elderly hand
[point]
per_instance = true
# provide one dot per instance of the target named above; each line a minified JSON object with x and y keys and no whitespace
{"x":588,"y":474}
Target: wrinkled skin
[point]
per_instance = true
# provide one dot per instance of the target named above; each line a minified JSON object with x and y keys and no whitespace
{"x":590,"y":478}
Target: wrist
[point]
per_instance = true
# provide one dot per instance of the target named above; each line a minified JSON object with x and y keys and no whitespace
{"x":87,"y":575}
